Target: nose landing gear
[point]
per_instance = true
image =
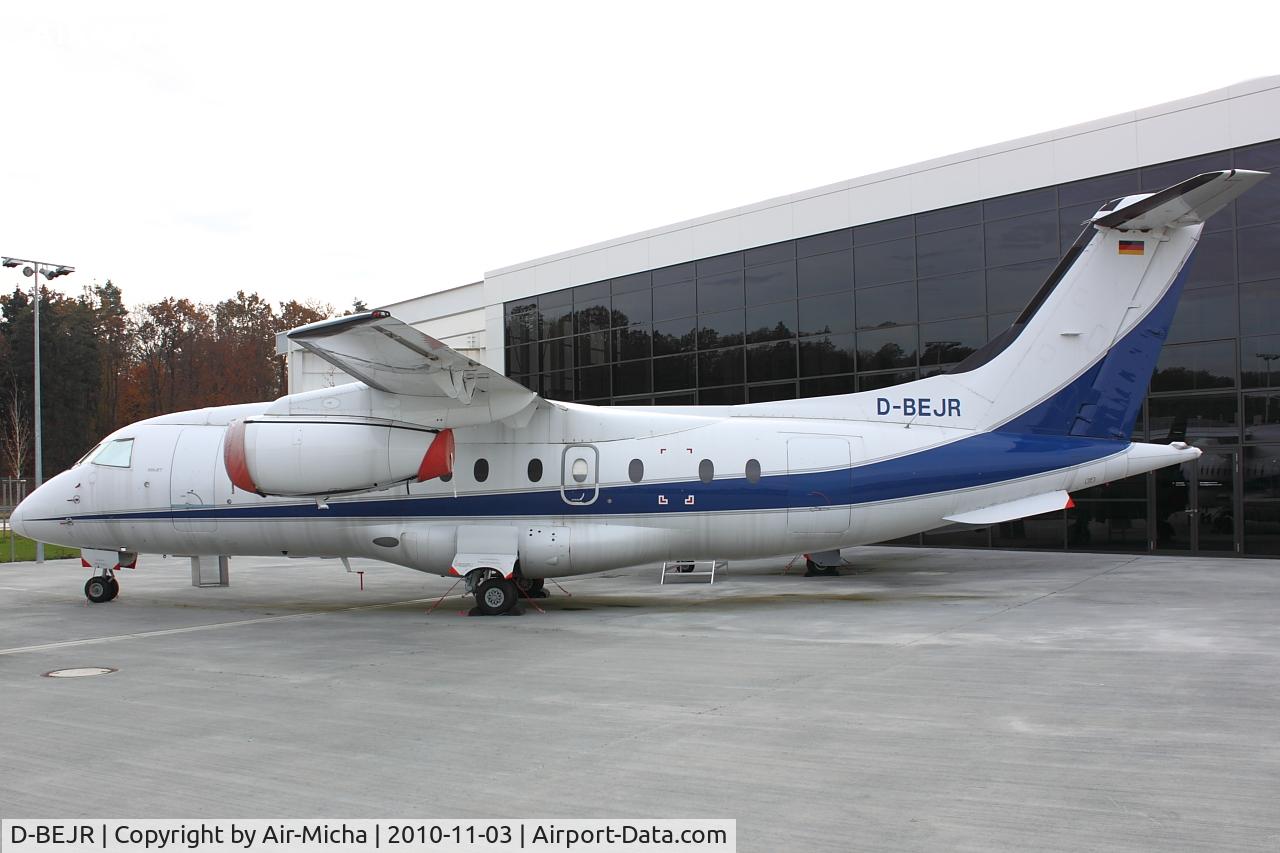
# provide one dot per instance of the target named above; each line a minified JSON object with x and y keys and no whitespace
{"x":494,"y":594}
{"x":101,"y":588}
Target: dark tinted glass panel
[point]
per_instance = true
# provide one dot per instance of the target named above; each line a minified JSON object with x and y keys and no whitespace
{"x":591,"y":307}
{"x":557,"y":320}
{"x":1260,"y":307}
{"x":771,"y":322}
{"x":632,"y":283}
{"x":688,"y":398}
{"x":631,"y":401}
{"x":557,"y":354}
{"x":876,"y":381}
{"x":522,"y":321}
{"x":819,"y":244}
{"x":1046,"y":531}
{"x":958,"y":295}
{"x":1016,"y":205}
{"x":825,"y":273}
{"x":889,"y":229}
{"x":1260,"y":361}
{"x":1262,"y":416}
{"x":891,"y":305}
{"x":533,"y":383}
{"x":997,"y":323}
{"x":1213,"y":262}
{"x":1108,"y":525}
{"x":593,"y":382}
{"x":723,"y":329}
{"x":591,"y":349}
{"x":674,"y":300}
{"x":1189,"y":367}
{"x":949,"y":217}
{"x":887,"y":348}
{"x":771,"y":282}
{"x":673,"y":336}
{"x":632,"y":342}
{"x":1261,"y":157}
{"x":1260,"y":204}
{"x":1198,"y":419}
{"x":631,"y":377}
{"x":830,"y":314}
{"x":719,"y":264}
{"x":1262,"y":527}
{"x":771,"y":361}
{"x":882,"y":263}
{"x":951,"y":251}
{"x":769,"y":393}
{"x":1130,"y":488}
{"x":720,"y":367}
{"x":1099,"y":189}
{"x":1156,"y":178}
{"x":558,"y":385}
{"x":827,"y":386}
{"x":670,"y":275}
{"x":1024,"y":238}
{"x":827,"y":354}
{"x":674,"y":373}
{"x":951,"y":340}
{"x":1261,"y":469}
{"x":1009,"y":289}
{"x":773,"y":253}
{"x":523,"y":359}
{"x":1259,"y":251}
{"x":718,"y":292}
{"x":635,"y":307}
{"x":722,"y":396}
{"x":1204,"y":315}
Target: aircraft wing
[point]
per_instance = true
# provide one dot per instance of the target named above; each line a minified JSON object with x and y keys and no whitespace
{"x":1194,"y":200}
{"x":390,"y":356}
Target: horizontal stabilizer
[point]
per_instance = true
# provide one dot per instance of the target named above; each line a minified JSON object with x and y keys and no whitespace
{"x":1190,"y":202}
{"x":1021,"y":508}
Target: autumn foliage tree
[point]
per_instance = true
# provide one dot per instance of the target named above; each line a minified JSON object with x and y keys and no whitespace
{"x":104,"y":365}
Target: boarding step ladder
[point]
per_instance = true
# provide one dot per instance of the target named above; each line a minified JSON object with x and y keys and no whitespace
{"x":692,"y":569}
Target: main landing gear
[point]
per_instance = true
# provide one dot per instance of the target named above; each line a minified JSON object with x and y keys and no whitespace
{"x":494,"y":594}
{"x":101,"y":588}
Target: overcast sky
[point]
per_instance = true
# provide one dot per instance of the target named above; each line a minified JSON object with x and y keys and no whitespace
{"x":384,"y":150}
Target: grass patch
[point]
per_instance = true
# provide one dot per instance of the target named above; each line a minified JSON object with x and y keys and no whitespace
{"x":24,"y":549}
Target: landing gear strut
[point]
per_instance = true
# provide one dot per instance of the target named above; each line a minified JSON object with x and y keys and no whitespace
{"x":494,"y":594}
{"x":813,"y":570}
{"x":101,"y":588}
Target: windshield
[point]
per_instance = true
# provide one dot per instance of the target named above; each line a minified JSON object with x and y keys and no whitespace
{"x":115,"y":454}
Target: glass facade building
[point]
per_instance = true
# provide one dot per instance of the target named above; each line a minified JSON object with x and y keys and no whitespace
{"x":874,"y":305}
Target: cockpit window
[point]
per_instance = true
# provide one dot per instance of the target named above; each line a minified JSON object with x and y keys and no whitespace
{"x":116,"y":454}
{"x":90,"y":452}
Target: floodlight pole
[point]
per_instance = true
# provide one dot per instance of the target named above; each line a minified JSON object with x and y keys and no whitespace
{"x":35,"y":269}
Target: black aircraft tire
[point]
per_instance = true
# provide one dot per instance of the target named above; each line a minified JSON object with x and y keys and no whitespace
{"x":97,"y":590}
{"x":496,"y":596}
{"x":115,"y":588}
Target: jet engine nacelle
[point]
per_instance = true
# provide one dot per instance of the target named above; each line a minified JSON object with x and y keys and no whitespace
{"x":312,"y":457}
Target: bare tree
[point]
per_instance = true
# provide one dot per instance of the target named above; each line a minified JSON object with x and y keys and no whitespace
{"x":16,"y":435}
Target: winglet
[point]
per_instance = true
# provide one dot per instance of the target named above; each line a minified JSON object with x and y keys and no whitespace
{"x":1188,"y":203}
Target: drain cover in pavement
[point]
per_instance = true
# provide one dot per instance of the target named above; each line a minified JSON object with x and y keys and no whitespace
{"x":79,"y":672}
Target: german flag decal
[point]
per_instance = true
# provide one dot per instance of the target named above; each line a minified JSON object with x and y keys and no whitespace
{"x":1132,"y":247}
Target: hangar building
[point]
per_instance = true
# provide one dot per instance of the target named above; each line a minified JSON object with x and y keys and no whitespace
{"x":896,"y":275}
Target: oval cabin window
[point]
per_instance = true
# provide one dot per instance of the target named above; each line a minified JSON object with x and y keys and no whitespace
{"x":706,"y":471}
{"x":753,"y":470}
{"x":579,"y":470}
{"x":481,"y":470}
{"x":444,"y":478}
{"x":535,"y":470}
{"x":635,"y":471}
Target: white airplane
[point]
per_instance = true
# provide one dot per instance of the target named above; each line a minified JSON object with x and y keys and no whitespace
{"x":435,"y":462}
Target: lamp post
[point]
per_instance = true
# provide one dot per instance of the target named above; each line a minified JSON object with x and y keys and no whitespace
{"x":35,"y":269}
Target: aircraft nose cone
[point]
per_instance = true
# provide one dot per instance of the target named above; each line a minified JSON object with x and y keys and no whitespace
{"x":15,"y":520}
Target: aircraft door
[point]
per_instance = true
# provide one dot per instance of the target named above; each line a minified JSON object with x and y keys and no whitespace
{"x":817,"y":496}
{"x":578,"y":476}
{"x":196,"y":456}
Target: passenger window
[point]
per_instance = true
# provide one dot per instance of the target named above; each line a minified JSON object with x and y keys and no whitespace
{"x":635,"y":471}
{"x":579,"y":470}
{"x":481,"y":470}
{"x":535,"y":470}
{"x":706,"y":471}
{"x":115,"y":454}
{"x":444,"y":478}
{"x":753,"y":470}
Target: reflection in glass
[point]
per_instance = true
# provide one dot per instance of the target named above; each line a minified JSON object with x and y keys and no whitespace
{"x":889,"y":305}
{"x":719,"y":264}
{"x":591,"y":349}
{"x":523,"y":321}
{"x":819,"y":244}
{"x":730,"y":396}
{"x":774,"y":252}
{"x":876,"y":381}
{"x":1262,"y":416}
{"x":557,"y":354}
{"x":825,"y":273}
{"x":769,"y":393}
{"x":826,"y":354}
{"x":1199,"y":419}
{"x":557,"y":320}
{"x":558,"y":385}
{"x":960,"y":295}
{"x":879,"y":232}
{"x":719,"y":292}
{"x":1259,"y":252}
{"x":884,"y":263}
{"x":631,"y":377}
{"x":948,"y":252}
{"x":951,"y":341}
{"x":1015,"y":205}
{"x":1204,"y":315}
{"x":1025,"y":238}
{"x":1260,"y":306}
{"x":771,"y":283}
{"x":949,"y":217}
{"x":767,"y":362}
{"x":592,"y":382}
{"x":672,"y":274}
{"x":522,"y":359}
{"x":1213,"y":261}
{"x":1011,"y":288}
{"x":885,"y":348}
{"x":1108,"y":525}
{"x":1189,"y":367}
{"x":832,"y":313}
{"x":827,"y":386}
{"x":1259,"y":365}
{"x":721,"y":330}
{"x":673,"y":373}
{"x":629,"y":308}
{"x":675,"y":300}
{"x":771,"y":322}
{"x":720,"y":367}
{"x":632,"y":342}
{"x":673,"y":336}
